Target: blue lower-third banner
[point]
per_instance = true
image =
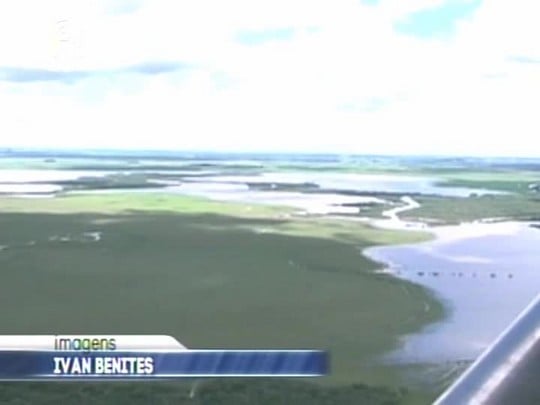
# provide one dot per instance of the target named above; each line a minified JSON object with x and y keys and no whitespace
{"x":113,"y":365}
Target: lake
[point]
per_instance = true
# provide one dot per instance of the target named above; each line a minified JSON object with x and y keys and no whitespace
{"x":333,"y":182}
{"x":485,"y":277}
{"x":356,"y":182}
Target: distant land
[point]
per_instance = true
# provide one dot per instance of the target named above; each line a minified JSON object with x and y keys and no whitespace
{"x":527,"y":163}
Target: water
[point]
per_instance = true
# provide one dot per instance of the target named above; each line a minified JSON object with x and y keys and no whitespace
{"x":357,"y":182}
{"x":29,"y":183}
{"x":484,"y":280}
{"x":27,"y":175}
{"x":10,"y":188}
{"x":311,"y":203}
{"x":338,"y":182}
{"x":234,"y":188}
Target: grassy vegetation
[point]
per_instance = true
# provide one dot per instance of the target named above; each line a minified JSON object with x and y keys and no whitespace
{"x":212,"y":275}
{"x":127,"y":202}
{"x":456,"y":210}
{"x":517,"y":182}
{"x":123,"y":165}
{"x":210,"y":392}
{"x":511,"y":186}
{"x":350,"y":232}
{"x":113,"y":181}
{"x":285,"y":222}
{"x":230,"y":275}
{"x":139,"y":203}
{"x":205,"y":281}
{"x":487,"y":176}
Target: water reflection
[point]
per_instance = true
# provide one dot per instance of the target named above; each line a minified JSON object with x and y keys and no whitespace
{"x":357,"y":182}
{"x":484,"y":281}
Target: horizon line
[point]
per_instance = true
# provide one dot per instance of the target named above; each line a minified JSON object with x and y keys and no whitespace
{"x":137,"y":151}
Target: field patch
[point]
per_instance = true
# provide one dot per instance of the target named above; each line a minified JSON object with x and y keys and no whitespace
{"x":232,"y":288}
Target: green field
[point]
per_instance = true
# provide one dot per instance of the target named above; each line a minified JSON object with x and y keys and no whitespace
{"x":126,"y":203}
{"x":211,"y":274}
{"x":520,"y":200}
{"x":227,"y":275}
{"x":515,"y":181}
{"x":207,"y":392}
{"x":456,"y":210}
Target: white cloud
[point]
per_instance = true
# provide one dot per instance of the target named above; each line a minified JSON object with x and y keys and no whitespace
{"x":462,"y":95}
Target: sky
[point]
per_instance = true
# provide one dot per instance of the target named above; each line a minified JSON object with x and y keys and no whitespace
{"x":445,"y":77}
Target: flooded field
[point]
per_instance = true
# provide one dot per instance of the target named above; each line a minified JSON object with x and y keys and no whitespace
{"x":315,"y":193}
{"x":357,"y":182}
{"x":484,"y":278}
{"x":482,"y":273}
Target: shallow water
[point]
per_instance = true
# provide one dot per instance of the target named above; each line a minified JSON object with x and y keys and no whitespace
{"x":235,"y":188}
{"x":357,"y":182}
{"x":208,"y":184}
{"x":29,"y":183}
{"x":26,"y":175}
{"x":484,"y":281}
{"x":12,"y":188}
{"x":311,"y":203}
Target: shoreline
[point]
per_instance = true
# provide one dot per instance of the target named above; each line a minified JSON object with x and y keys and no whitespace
{"x":444,"y":234}
{"x":421,"y":294}
{"x":326,"y":273}
{"x":440,"y":235}
{"x":412,"y":347}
